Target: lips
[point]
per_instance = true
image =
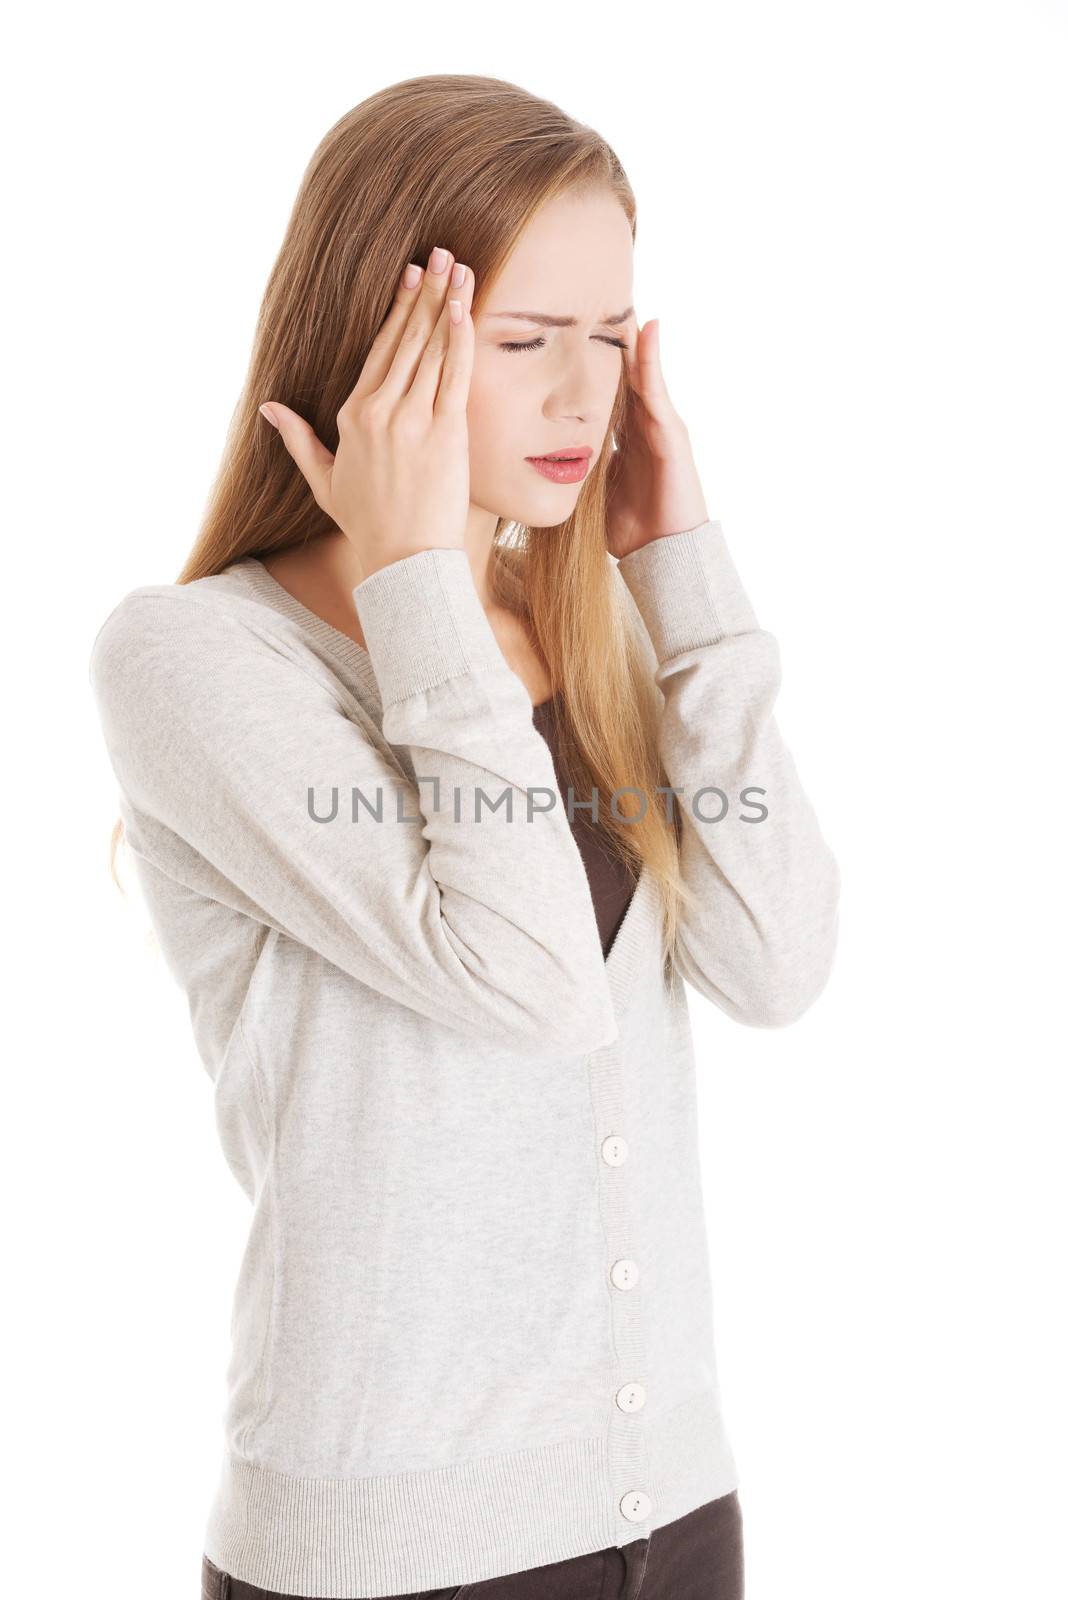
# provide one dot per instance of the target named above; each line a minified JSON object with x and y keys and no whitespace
{"x":578,"y":452}
{"x":567,"y":469}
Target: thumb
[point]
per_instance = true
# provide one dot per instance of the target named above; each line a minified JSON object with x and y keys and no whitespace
{"x":304,"y":445}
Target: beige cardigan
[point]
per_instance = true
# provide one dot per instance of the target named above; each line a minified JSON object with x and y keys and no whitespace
{"x":472,"y":1329}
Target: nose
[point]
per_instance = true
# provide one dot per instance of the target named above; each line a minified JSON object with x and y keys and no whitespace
{"x":579,"y":390}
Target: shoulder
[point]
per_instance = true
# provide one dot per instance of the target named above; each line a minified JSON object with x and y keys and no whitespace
{"x":188,"y":679}
{"x":211,"y":659}
{"x":196,"y":631}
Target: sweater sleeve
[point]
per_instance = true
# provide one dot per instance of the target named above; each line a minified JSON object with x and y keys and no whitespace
{"x":228,"y":752}
{"x":759,"y":939}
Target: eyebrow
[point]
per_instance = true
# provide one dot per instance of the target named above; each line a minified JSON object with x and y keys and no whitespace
{"x":544,"y":320}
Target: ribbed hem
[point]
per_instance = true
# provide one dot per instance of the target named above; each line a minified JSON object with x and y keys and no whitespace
{"x":688,"y":590}
{"x":483,"y":1518}
{"x":424,"y":623}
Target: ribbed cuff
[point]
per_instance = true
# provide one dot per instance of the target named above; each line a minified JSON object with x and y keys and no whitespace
{"x":688,"y":590}
{"x":423,"y":623}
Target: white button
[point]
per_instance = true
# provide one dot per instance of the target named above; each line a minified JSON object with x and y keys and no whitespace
{"x":614,"y":1150}
{"x":636,"y":1505}
{"x":624,"y":1274}
{"x":631,"y":1397}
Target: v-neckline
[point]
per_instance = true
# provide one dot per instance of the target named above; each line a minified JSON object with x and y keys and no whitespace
{"x":641,"y":916}
{"x":639,"y":922}
{"x":346,"y":649}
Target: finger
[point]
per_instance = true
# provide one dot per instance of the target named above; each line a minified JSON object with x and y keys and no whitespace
{"x":312,"y":457}
{"x":386,"y":340}
{"x":450,"y":340}
{"x":455,"y":387}
{"x":419,"y":327}
{"x":650,"y":374}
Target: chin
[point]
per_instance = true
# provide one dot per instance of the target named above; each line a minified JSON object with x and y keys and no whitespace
{"x":548,"y":510}
{"x":541,"y":505}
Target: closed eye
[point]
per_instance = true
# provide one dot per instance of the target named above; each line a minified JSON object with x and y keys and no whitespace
{"x":536,"y":344}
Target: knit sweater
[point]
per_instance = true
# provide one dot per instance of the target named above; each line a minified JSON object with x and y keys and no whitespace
{"x":472,"y":1326}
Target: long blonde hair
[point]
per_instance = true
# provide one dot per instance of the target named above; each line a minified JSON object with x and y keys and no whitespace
{"x":467,"y":160}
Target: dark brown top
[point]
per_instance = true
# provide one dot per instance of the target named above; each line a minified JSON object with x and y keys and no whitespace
{"x":611,"y":884}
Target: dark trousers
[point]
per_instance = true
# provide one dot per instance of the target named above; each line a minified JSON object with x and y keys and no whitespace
{"x":697,"y":1557}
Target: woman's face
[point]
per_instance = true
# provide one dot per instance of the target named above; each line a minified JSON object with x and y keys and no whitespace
{"x":574,"y":262}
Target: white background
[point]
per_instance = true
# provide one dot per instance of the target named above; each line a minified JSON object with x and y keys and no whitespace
{"x":852,"y":226}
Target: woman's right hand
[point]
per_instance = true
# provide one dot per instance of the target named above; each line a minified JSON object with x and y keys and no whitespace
{"x":400,"y":481}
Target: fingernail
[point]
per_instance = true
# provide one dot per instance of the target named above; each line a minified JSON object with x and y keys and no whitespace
{"x":411,"y":276}
{"x":438,"y":258}
{"x":459,"y":272}
{"x":264,"y":412}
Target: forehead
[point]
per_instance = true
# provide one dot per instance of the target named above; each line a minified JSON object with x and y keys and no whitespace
{"x":573,"y":260}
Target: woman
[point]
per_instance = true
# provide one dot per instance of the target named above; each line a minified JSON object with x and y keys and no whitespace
{"x":453,"y":1068}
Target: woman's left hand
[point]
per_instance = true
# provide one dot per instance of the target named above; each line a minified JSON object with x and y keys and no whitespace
{"x":653,"y":488}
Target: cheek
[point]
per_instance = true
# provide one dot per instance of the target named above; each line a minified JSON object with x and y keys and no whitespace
{"x":495,"y":418}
